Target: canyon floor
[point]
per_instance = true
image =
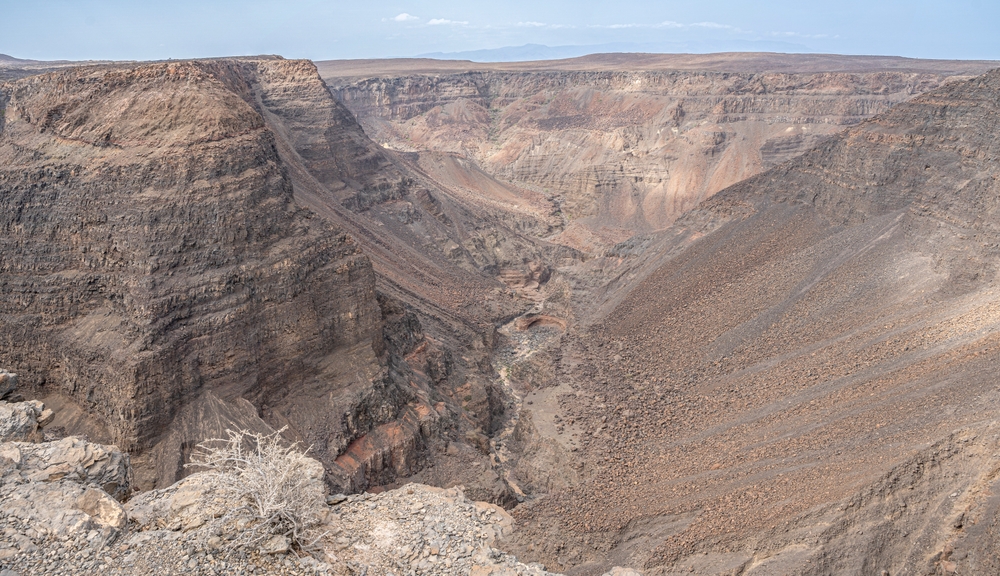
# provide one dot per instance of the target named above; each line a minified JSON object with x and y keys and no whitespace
{"x":722,"y":314}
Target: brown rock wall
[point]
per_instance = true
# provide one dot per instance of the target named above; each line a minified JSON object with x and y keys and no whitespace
{"x":152,"y":249}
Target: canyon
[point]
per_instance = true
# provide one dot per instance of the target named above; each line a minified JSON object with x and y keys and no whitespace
{"x":625,"y":146}
{"x":722,"y":314}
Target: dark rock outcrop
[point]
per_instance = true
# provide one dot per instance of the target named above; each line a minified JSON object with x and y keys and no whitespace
{"x":191,"y":246}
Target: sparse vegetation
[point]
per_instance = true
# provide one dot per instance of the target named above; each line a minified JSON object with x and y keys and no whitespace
{"x":272,"y":485}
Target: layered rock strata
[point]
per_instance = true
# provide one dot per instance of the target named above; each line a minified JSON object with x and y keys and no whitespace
{"x":629,"y":150}
{"x":152,"y":252}
{"x":195,"y":246}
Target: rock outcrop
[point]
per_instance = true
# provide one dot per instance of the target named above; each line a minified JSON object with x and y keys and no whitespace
{"x":59,"y":490}
{"x":224,"y":247}
{"x":61,"y":516}
{"x":71,"y":459}
{"x":152,"y":253}
{"x":22,"y":421}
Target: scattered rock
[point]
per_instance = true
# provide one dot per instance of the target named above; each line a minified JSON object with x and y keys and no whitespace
{"x":618,"y":571}
{"x":424,"y":529}
{"x":335,"y":499}
{"x":275,"y":545}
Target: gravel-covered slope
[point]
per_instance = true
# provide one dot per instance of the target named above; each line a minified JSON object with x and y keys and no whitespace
{"x":803,"y":380}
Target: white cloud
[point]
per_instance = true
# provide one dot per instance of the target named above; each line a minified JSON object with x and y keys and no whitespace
{"x":531,"y":24}
{"x":440,"y":21}
{"x":404,"y":17}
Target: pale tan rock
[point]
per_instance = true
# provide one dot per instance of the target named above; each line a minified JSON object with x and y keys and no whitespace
{"x":276,"y":544}
{"x":8,"y":382}
{"x":46,"y":417}
{"x":19,"y":421}
{"x":76,"y":460}
{"x":188,"y":504}
{"x":99,"y":505}
{"x":65,"y":508}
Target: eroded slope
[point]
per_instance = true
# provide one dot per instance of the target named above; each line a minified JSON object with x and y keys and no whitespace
{"x":805,"y":382}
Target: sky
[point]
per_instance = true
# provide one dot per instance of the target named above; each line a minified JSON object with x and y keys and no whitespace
{"x":325,"y":29}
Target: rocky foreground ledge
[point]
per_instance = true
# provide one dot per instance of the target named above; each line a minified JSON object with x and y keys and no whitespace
{"x":66,"y":507}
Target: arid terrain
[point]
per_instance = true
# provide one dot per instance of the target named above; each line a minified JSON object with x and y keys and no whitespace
{"x":720,"y":314}
{"x":624,"y":145}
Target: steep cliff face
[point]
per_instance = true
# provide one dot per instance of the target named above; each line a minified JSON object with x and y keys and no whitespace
{"x":803,"y":378}
{"x":152,"y":252}
{"x":621,"y":152}
{"x":455,"y":253}
{"x":195,"y":245}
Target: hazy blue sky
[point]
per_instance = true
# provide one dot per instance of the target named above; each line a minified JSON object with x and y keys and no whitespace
{"x":318,"y":29}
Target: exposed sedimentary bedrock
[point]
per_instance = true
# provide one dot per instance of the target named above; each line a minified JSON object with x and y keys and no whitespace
{"x":797,"y":376}
{"x":622,"y":150}
{"x":152,"y":259}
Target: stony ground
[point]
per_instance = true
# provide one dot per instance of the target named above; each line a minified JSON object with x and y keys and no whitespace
{"x":413,"y":530}
{"x":66,"y":508}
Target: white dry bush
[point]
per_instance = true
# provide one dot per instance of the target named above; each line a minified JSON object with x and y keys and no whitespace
{"x":271,"y":484}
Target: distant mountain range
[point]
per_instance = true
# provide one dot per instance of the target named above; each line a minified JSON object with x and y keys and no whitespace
{"x":543,"y":52}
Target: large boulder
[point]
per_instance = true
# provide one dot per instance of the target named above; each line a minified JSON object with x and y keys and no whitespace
{"x":185,"y":505}
{"x":70,"y":459}
{"x":62,"y":508}
{"x":20,"y":421}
